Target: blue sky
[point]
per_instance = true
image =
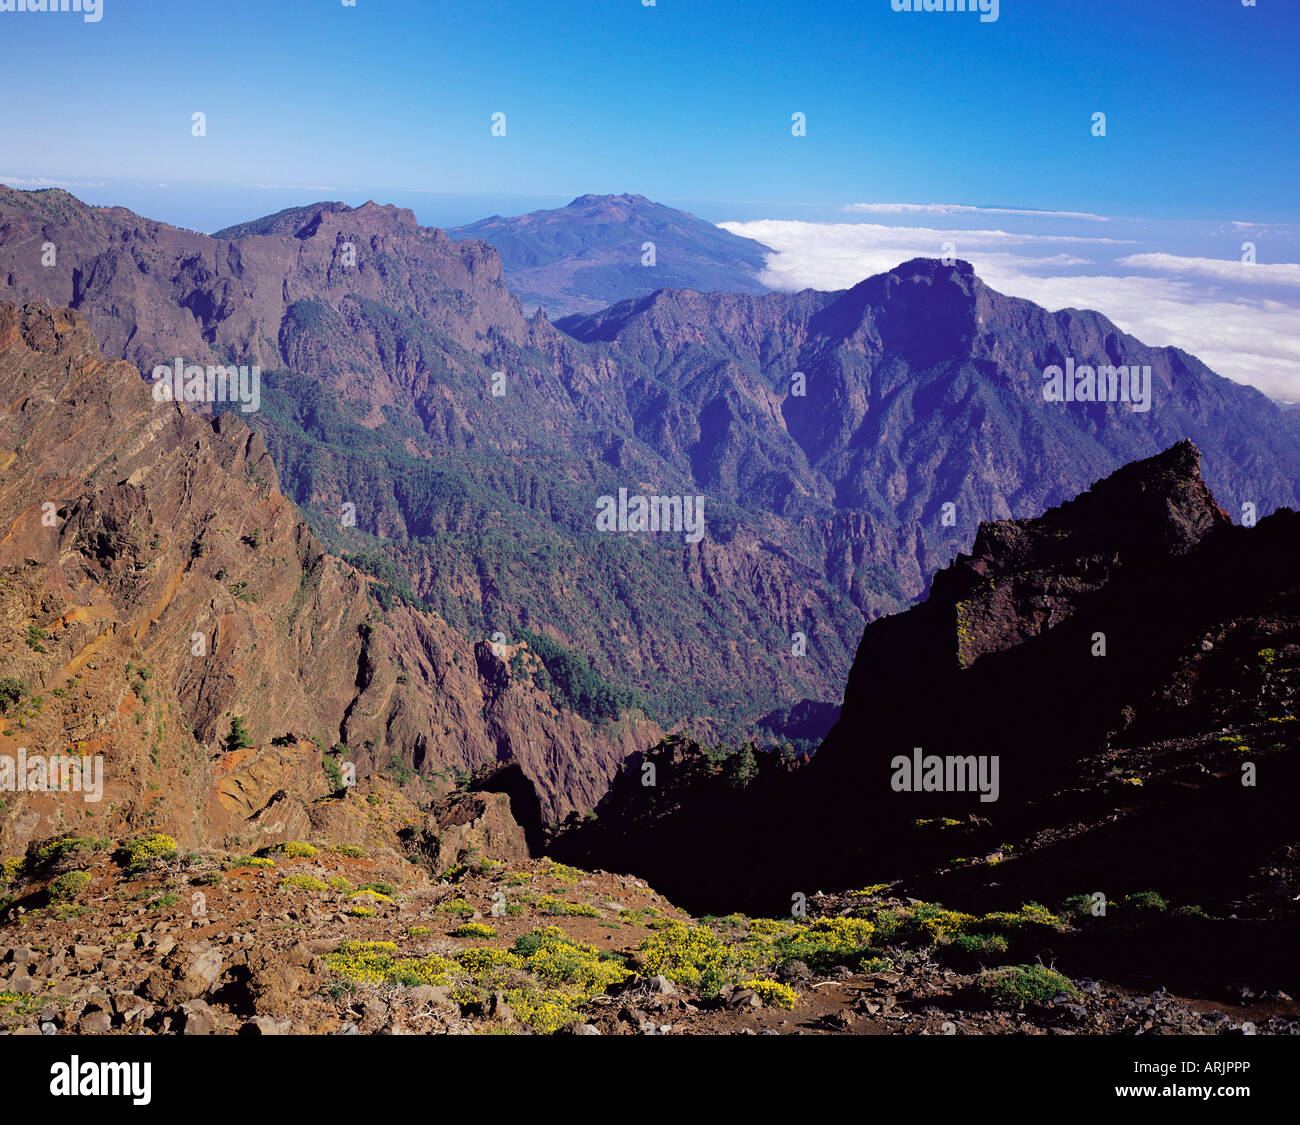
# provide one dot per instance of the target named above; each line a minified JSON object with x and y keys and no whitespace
{"x":686,"y":101}
{"x":689,"y":102}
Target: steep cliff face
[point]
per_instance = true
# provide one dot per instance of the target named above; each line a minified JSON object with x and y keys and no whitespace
{"x":1110,"y":693}
{"x":157,"y":584}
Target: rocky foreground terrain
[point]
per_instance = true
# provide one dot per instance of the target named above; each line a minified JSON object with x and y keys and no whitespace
{"x":140,"y":938}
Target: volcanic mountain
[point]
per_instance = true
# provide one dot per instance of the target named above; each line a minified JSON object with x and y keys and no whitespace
{"x":847,"y":444}
{"x":604,"y":248}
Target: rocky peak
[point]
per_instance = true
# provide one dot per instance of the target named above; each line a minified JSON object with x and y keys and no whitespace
{"x":1023,"y":576}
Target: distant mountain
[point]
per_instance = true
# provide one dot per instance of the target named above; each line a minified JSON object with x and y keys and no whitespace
{"x":380,"y":342}
{"x":592,"y":253}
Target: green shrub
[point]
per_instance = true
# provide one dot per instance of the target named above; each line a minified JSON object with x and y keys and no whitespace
{"x":238,"y":738}
{"x":1017,"y":985}
{"x":1144,"y":900}
{"x":66,"y":887}
{"x":978,"y":945}
{"x":12,"y":689}
{"x":49,"y":853}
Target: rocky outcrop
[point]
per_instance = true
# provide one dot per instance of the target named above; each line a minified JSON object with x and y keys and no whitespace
{"x":157,"y":586}
{"x":466,"y":828}
{"x":1128,"y":663}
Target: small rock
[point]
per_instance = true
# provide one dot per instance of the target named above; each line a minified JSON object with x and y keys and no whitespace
{"x":499,"y":1010}
{"x":661,"y":984}
{"x":431,"y":994}
{"x":94,"y":1021}
{"x":266,"y":1025}
{"x":194,"y":1018}
{"x":87,"y":954}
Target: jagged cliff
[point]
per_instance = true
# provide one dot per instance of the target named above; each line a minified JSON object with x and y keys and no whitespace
{"x":156,"y":584}
{"x":1130,"y":659}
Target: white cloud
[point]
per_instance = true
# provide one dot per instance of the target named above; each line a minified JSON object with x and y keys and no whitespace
{"x":1220,"y":269}
{"x":964,"y":209}
{"x":42,"y":182}
{"x":1242,"y":334}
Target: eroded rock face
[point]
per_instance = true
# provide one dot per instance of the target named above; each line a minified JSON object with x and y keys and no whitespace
{"x":156,"y":584}
{"x":826,"y":509}
{"x":464,"y":827}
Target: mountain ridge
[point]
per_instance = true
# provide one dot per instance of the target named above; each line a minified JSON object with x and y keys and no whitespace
{"x":824,"y":510}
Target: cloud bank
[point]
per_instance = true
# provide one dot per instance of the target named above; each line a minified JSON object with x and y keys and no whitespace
{"x":1241,"y":319}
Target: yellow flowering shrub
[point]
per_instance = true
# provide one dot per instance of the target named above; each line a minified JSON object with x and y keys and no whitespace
{"x":296,"y":849}
{"x":371,"y":896}
{"x":549,"y":904}
{"x":934,"y":925}
{"x":827,"y":941}
{"x":375,"y":962}
{"x":688,"y":955}
{"x":474,"y":929}
{"x":558,"y":959}
{"x":772,"y":993}
{"x":562,"y":873}
{"x":545,"y":1012}
{"x":302,"y":882}
{"x":144,"y":851}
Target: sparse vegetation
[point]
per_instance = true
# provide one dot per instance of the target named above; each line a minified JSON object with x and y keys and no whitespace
{"x":1018,"y":985}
